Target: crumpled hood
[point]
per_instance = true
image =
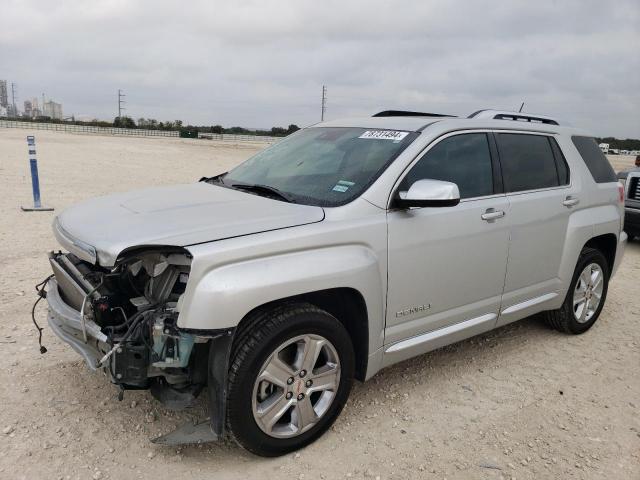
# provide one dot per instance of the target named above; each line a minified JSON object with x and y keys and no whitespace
{"x":178,"y":215}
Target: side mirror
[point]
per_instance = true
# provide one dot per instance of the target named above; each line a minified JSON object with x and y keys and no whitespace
{"x":428,"y":193}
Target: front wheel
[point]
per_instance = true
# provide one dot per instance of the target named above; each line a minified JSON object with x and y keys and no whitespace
{"x":290,"y":376}
{"x":586,"y":296}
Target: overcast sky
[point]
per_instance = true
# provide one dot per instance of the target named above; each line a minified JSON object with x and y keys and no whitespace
{"x":263,"y":63}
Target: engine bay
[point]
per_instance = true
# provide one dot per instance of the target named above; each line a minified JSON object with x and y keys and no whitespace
{"x":136,"y":305}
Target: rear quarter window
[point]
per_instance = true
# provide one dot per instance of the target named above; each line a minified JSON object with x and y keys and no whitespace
{"x":596,"y":162}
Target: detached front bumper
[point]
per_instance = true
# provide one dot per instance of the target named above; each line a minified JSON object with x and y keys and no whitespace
{"x":66,"y":323}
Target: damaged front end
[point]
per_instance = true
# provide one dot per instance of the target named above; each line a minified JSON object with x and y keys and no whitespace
{"x":124,"y":320}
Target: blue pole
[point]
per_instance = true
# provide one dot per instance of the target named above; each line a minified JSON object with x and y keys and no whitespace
{"x":35,"y":184}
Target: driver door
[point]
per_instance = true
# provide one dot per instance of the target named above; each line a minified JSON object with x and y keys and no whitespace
{"x":446,"y":265}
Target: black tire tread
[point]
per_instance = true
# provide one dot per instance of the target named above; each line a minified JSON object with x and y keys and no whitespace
{"x":258,"y":327}
{"x":558,"y":320}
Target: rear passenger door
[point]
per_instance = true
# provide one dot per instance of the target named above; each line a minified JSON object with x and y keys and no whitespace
{"x":538,"y":187}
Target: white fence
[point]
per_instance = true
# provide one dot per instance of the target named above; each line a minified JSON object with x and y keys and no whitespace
{"x":64,"y":127}
{"x":130,"y":132}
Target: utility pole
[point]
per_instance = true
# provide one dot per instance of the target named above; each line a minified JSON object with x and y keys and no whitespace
{"x":324,"y":102}
{"x":120,"y":102}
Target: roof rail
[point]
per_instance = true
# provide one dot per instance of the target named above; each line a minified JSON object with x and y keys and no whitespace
{"x":517,"y":116}
{"x":405,"y":113}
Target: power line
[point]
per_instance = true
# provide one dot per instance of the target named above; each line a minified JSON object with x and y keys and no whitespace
{"x":324,"y":102}
{"x":120,"y":102}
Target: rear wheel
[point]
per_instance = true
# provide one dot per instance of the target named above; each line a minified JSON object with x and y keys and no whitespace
{"x":586,"y":296}
{"x":289,"y":378}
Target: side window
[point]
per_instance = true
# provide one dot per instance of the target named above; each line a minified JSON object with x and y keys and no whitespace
{"x":527,"y":162}
{"x":462,"y":159}
{"x":597,"y":163}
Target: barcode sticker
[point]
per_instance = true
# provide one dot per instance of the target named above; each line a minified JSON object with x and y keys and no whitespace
{"x":384,"y":135}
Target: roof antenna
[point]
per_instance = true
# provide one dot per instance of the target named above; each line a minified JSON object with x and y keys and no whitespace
{"x":521,"y":107}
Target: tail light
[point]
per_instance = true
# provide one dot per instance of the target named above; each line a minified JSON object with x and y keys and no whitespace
{"x":620,"y":192}
{"x":621,"y":202}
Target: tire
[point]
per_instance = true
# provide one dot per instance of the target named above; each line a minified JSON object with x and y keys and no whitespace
{"x":565,"y":319}
{"x":301,"y":328}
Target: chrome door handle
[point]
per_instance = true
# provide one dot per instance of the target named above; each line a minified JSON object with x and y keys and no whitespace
{"x":571,"y":201}
{"x":492,"y":214}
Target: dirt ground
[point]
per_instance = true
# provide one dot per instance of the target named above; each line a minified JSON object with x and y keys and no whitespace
{"x":521,"y":402}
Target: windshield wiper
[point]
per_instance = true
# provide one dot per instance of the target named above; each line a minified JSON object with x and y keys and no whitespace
{"x":216,"y":179}
{"x":258,"y":188}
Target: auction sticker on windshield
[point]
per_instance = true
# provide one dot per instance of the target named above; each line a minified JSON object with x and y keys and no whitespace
{"x":343,"y":186}
{"x":384,"y":135}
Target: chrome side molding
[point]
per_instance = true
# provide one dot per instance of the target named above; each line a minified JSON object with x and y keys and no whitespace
{"x":528,"y":303}
{"x":438,"y":338}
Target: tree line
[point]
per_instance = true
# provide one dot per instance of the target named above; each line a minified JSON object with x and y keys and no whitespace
{"x":153,"y":124}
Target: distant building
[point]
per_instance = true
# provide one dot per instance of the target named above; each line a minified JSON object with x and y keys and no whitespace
{"x":52,"y":109}
{"x":604,"y":147}
{"x":4,"y":99}
{"x":35,"y":108}
{"x":28,"y":110}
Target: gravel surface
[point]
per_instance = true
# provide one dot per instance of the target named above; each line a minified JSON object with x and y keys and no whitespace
{"x":521,"y":402}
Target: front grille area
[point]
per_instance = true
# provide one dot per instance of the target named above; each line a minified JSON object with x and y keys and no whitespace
{"x":634,"y":188}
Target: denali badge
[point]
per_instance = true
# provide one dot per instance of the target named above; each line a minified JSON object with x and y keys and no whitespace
{"x":412,"y":310}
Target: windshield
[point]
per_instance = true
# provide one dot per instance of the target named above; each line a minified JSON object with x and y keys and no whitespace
{"x":321,"y":166}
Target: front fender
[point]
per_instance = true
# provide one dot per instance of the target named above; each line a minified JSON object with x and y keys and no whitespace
{"x":225,"y":294}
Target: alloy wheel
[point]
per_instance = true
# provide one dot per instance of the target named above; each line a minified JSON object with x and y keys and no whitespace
{"x":296,"y":386}
{"x":588,"y":292}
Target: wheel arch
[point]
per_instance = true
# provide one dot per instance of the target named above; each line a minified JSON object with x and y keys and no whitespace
{"x":345,"y":303}
{"x":607,"y":245}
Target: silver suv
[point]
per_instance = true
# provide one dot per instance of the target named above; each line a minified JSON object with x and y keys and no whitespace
{"x":342,"y":249}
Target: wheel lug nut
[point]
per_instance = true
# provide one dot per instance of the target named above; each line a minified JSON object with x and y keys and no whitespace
{"x":289,"y":395}
{"x":300,"y":396}
{"x":303,"y":373}
{"x":309,"y":383}
{"x":289,"y":380}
